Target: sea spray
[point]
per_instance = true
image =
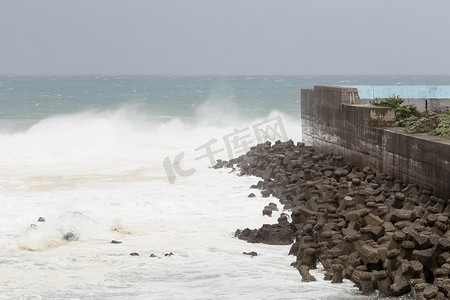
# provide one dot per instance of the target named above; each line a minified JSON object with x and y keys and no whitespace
{"x":118,"y":190}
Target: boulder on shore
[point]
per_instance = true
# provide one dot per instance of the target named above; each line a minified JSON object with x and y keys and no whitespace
{"x":275,"y":234}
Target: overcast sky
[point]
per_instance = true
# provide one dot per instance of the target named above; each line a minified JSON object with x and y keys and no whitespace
{"x":226,"y":37}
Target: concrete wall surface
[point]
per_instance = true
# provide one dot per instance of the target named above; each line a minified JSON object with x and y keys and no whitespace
{"x":334,"y":120}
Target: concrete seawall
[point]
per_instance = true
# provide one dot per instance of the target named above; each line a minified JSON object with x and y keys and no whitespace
{"x":333,"y":119}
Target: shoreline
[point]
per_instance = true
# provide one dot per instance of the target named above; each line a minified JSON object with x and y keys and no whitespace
{"x":369,"y":228}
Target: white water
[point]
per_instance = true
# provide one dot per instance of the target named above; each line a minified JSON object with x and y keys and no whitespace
{"x":100,"y":176}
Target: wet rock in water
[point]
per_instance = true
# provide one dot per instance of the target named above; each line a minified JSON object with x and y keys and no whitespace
{"x":272,"y":206}
{"x":309,"y":258}
{"x":383,"y":283}
{"x":41,"y":219}
{"x":275,"y":234}
{"x":266,"y":193}
{"x":219,"y":164}
{"x":252,"y":253}
{"x":304,"y":272}
{"x":154,"y":255}
{"x":337,"y":273}
{"x":283,"y":219}
{"x":134,"y":254}
{"x":366,"y":285}
{"x":70,"y":237}
{"x":168,"y":254}
{"x":116,"y":242}
{"x":267,"y":211}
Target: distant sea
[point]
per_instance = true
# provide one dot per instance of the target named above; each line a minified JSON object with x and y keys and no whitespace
{"x":128,"y":159}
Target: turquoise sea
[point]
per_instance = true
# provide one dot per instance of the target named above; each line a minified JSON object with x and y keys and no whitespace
{"x":128,"y":159}
{"x":30,"y":99}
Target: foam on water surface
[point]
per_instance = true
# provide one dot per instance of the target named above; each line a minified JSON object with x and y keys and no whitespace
{"x":98,"y":177}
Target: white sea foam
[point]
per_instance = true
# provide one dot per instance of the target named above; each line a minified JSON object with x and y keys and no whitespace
{"x":98,"y":176}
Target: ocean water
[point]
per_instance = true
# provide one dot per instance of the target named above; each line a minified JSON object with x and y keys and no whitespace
{"x":128,"y":159}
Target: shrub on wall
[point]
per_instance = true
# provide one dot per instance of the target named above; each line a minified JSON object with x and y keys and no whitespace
{"x":443,"y":128}
{"x":414,"y":122}
{"x":402,"y":112}
{"x":422,"y":124}
{"x":431,"y":123}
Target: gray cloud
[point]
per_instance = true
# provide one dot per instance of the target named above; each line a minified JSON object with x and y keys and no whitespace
{"x":224,"y":37}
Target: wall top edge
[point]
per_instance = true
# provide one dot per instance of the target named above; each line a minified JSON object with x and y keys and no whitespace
{"x":420,"y":136}
{"x":365,"y":106}
{"x":334,"y":88}
{"x":418,"y":98}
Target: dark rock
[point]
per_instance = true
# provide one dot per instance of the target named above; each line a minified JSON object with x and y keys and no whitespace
{"x":402,"y":278}
{"x":309,"y":258}
{"x":337,"y":273}
{"x":383,"y":283}
{"x":134,"y":254}
{"x":267,"y":212}
{"x":41,"y":219}
{"x":407,"y":248}
{"x":372,"y":220}
{"x":304,"y":272}
{"x":116,"y":242}
{"x":367,"y":287}
{"x":266,"y":193}
{"x":368,"y":254}
{"x":70,"y":237}
{"x":273,"y":206}
{"x":283,"y":219}
{"x":251,"y":195}
{"x":430,"y":291}
{"x":219,"y":164}
{"x":268,"y":209}
{"x":275,"y":234}
{"x":301,"y":213}
{"x":252,"y":253}
{"x":402,"y":215}
{"x":443,"y":284}
{"x":444,"y":258}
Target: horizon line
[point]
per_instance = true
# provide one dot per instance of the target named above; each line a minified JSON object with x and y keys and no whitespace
{"x":213,"y":75}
